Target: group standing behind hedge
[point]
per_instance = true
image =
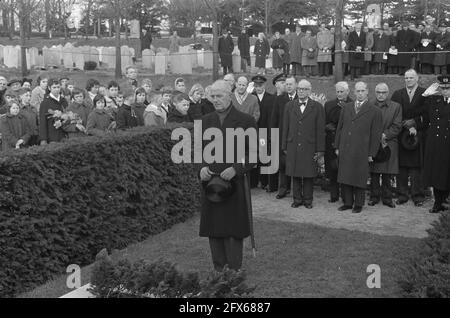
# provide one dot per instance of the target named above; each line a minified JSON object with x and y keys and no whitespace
{"x":55,"y":109}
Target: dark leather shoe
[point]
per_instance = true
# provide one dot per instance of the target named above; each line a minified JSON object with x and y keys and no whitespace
{"x":357,"y":209}
{"x":344,"y":208}
{"x":373,"y":202}
{"x":332,"y":200}
{"x":401,"y":201}
{"x":389,"y":204}
{"x":437,"y":209}
{"x":281,"y":195}
{"x":296,"y":204}
{"x":308,"y":205}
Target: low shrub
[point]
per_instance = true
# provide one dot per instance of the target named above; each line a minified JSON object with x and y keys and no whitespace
{"x":123,"y":279}
{"x":60,"y":204}
{"x":428,"y":274}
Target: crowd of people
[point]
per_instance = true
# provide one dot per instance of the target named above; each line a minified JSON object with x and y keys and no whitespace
{"x":385,"y":50}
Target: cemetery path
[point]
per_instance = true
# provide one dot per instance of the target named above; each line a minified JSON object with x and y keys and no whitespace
{"x":406,"y":220}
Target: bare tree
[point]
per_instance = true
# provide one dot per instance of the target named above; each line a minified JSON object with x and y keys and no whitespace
{"x":338,"y":72}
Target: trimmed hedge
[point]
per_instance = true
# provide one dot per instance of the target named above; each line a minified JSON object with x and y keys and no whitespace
{"x":123,"y":279}
{"x":62,"y":203}
{"x":428,"y":274}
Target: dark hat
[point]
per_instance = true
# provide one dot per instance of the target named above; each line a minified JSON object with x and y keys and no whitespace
{"x":28,"y":80}
{"x":383,"y":154}
{"x":64,"y":77}
{"x":278,"y":78}
{"x":22,"y":91}
{"x":444,"y":81}
{"x":14,"y":80}
{"x":408,"y":142}
{"x":218,"y":189}
{"x":259,"y":79}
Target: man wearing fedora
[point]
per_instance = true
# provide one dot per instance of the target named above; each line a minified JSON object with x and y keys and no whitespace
{"x":225,"y":220}
{"x":392,"y":125}
{"x":411,"y":150}
{"x":265,"y":101}
{"x":357,"y":142}
{"x":303,"y":142}
{"x":332,"y":113}
{"x":437,"y":151}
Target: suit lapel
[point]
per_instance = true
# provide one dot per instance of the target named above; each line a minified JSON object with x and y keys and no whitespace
{"x":364,"y":109}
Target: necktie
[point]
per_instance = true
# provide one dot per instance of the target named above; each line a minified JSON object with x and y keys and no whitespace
{"x":291,"y":97}
{"x":357,"y":107}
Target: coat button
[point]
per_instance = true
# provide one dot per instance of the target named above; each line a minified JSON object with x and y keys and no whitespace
{"x":299,"y":144}
{"x":437,"y":135}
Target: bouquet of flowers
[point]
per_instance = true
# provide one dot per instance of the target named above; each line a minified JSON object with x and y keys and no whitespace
{"x":65,"y":119}
{"x":318,"y":98}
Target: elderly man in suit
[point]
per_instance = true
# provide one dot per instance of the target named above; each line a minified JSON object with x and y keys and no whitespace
{"x":411,"y":160}
{"x":303,"y":142}
{"x":284,"y":184}
{"x":357,"y":141}
{"x":356,"y":42}
{"x":332,"y":113}
{"x":226,"y":223}
{"x":243,"y":101}
{"x":392,"y":125}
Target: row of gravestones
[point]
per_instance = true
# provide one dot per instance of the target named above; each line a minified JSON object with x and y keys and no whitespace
{"x":67,"y":56}
{"x":187,"y":58}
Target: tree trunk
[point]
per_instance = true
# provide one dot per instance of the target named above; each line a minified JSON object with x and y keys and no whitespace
{"x":87,"y":25}
{"x":5,"y":19}
{"x":111,"y":23}
{"x":338,"y":73}
{"x":12,"y":24}
{"x":23,"y":49}
{"x":215,"y":48}
{"x":125,"y":24}
{"x":118,"y":72}
{"x":47,"y":17}
{"x":99,"y":28}
{"x":425,"y":11}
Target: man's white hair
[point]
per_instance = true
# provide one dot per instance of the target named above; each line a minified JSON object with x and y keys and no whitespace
{"x":380,"y":85}
{"x":362,"y":83}
{"x":304,"y":82}
{"x":221,"y":85}
{"x":343,"y":85}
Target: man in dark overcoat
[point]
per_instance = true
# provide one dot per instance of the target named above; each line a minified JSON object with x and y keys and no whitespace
{"x":437,"y":150}
{"x":357,"y":141}
{"x":226,"y":47}
{"x":284,"y":184}
{"x":53,"y":101}
{"x":405,"y":43}
{"x":226,"y":223}
{"x":411,"y":160}
{"x":356,"y":42}
{"x":276,"y":121}
{"x":146,"y":40}
{"x":295,"y":51}
{"x":303,"y":142}
{"x":382,"y":43}
{"x":244,"y":49}
{"x":392,"y":125}
{"x":332,"y":113}
{"x":427,"y":44}
{"x":265,"y":101}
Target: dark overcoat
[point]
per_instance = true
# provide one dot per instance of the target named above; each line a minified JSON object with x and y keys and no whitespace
{"x":380,"y":44}
{"x":265,"y":110}
{"x":295,"y":48}
{"x":244,"y":47}
{"x":47,"y":130}
{"x":445,"y":42}
{"x":226,"y":47}
{"x":405,"y":43}
{"x":332,"y":113}
{"x":262,"y":50}
{"x":303,"y":137}
{"x":440,"y":59}
{"x":437,"y":150}
{"x":356,"y":59}
{"x":392,"y":125}
{"x":357,"y":137}
{"x":393,"y":59}
{"x":14,"y":128}
{"x":279,"y":104}
{"x":280,"y":57}
{"x":412,"y":110}
{"x":428,"y":58}
{"x":228,"y":218}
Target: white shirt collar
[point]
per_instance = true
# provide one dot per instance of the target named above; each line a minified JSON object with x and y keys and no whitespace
{"x":55,"y":98}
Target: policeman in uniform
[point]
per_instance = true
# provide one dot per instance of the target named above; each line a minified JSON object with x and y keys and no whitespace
{"x":437,"y":147}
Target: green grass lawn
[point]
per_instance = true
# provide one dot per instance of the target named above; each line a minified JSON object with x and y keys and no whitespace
{"x":293,"y":260}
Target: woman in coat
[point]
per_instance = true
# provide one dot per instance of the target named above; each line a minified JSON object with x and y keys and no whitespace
{"x":440,"y":59}
{"x":174,"y":45}
{"x":16,"y":131}
{"x":428,"y":44}
{"x":262,"y":51}
{"x":325,"y":43}
{"x":309,"y":53}
{"x":392,"y":58}
{"x":280,"y":54}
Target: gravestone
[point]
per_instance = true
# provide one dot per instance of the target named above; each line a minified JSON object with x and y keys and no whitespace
{"x":59,"y":49}
{"x":90,"y":54}
{"x":34,"y":52}
{"x":208,"y":60}
{"x":11,"y":56}
{"x":109,"y":57}
{"x":126,"y":59}
{"x":148,"y":59}
{"x":27,"y":55}
{"x":201,"y":58}
{"x":51,"y":56}
{"x":68,"y":56}
{"x":100,"y":53}
{"x":236,"y":59}
{"x":194,"y":59}
{"x":40,"y":61}
{"x":78,"y":57}
{"x":160,"y":64}
{"x":135,"y":29}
